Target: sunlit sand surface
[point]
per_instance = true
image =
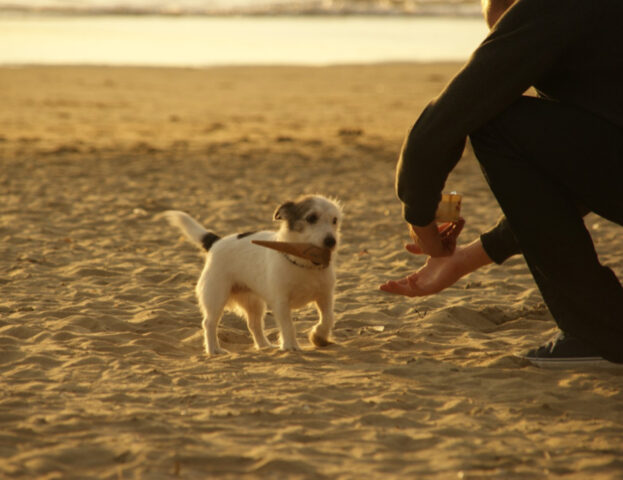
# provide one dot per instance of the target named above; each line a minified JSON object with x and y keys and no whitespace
{"x":102,"y":368}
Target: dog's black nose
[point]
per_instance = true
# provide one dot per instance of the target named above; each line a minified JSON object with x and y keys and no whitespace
{"x":329,"y":241}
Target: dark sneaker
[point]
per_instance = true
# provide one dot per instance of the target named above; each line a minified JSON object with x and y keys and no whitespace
{"x":565,"y":351}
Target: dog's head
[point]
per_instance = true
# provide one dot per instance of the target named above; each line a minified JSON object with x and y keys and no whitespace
{"x":311,"y":219}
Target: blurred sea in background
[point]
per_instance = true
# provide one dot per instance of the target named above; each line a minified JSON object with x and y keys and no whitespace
{"x":199,"y":33}
{"x":249,"y":7}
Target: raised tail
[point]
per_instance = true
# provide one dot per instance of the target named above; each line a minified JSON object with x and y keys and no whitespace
{"x":191,"y":229}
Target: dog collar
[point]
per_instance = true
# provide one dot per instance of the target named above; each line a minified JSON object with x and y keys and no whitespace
{"x":313,"y":266}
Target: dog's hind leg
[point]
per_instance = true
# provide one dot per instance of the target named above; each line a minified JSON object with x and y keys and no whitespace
{"x":212,"y":302}
{"x":319,"y":335}
{"x":255,"y":309}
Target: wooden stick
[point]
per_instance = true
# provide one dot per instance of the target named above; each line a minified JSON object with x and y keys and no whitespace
{"x":317,"y":255}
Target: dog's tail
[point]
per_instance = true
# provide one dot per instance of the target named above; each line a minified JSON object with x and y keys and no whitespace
{"x":191,"y":229}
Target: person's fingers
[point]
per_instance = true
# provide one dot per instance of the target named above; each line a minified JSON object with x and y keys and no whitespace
{"x":413,"y":236}
{"x":399,"y":287}
{"x":414,"y":288}
{"x":405,"y":286}
{"x":449,"y":243}
{"x":452,"y":229}
{"x":444,"y":227}
{"x":414,"y":248}
{"x":391,"y":286}
{"x":457,"y":226}
{"x":450,"y":235}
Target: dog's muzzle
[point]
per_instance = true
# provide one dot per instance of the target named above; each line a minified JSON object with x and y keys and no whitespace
{"x":329,"y":241}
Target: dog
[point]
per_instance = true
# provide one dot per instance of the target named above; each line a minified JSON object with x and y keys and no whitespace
{"x":247,"y":278}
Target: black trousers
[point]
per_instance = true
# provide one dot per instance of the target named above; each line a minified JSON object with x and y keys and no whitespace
{"x":547,"y":164}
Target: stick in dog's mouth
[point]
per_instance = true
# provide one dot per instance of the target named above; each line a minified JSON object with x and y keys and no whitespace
{"x":308,"y":251}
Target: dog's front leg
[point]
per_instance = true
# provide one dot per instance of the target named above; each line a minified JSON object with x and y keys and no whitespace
{"x":283,"y":317}
{"x":319,"y":335}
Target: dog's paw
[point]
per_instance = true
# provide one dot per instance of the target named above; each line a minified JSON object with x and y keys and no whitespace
{"x":319,"y":341}
{"x":290,"y":348}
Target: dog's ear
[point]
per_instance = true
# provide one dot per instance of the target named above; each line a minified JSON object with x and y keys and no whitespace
{"x":284,"y":211}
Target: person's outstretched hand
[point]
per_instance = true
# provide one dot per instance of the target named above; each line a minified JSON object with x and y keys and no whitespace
{"x":439,"y":273}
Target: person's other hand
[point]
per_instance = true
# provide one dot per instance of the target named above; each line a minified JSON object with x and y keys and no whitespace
{"x":434,"y":240}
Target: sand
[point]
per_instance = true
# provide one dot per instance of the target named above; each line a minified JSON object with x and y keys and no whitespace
{"x":103,"y":373}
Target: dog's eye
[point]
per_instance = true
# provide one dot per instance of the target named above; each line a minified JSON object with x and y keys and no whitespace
{"x":334,"y":220}
{"x":312,"y":218}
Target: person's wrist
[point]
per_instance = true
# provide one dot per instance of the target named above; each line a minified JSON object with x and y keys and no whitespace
{"x":461,"y":261}
{"x":471,"y":257}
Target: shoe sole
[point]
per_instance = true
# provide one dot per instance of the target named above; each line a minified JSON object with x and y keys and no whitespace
{"x":571,"y":362}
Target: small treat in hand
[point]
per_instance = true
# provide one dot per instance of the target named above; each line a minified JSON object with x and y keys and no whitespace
{"x":308,"y":251}
{"x":449,"y":209}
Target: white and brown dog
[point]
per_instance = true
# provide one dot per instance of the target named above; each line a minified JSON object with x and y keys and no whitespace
{"x":247,"y":278}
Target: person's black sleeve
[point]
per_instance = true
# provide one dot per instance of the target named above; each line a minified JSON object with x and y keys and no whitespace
{"x":500,"y":243}
{"x":524,"y":44}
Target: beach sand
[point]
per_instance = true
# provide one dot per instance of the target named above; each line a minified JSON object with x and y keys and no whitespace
{"x":103,"y":373}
